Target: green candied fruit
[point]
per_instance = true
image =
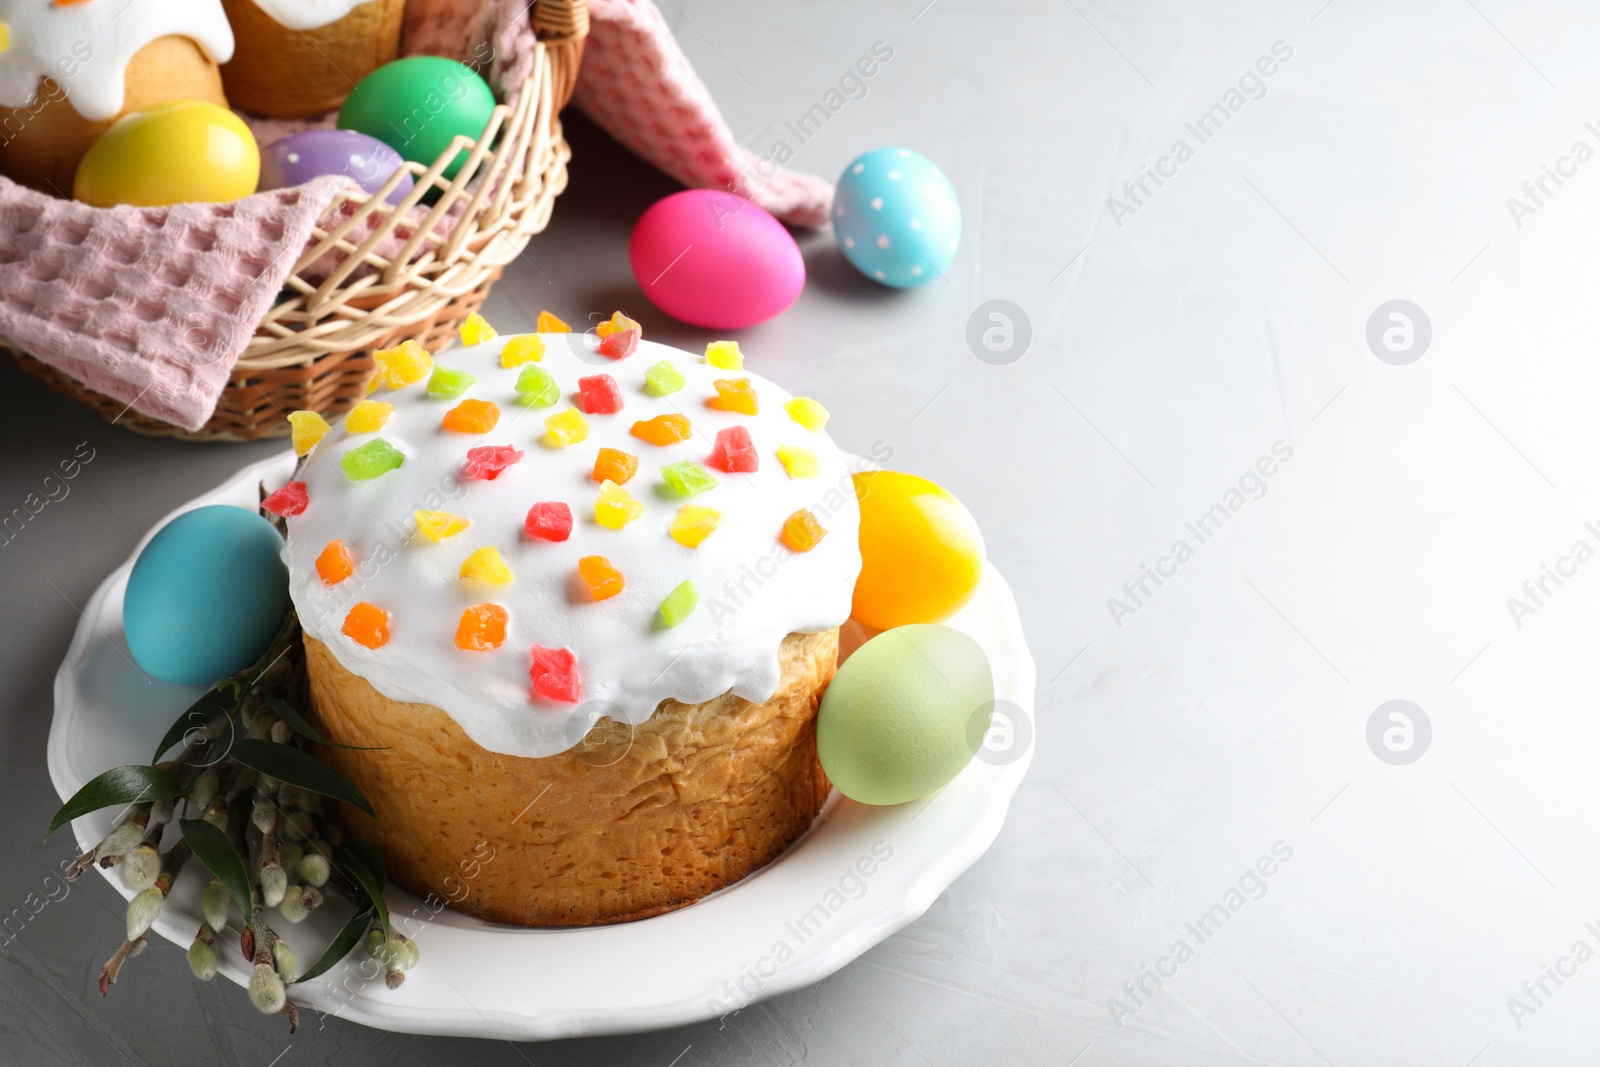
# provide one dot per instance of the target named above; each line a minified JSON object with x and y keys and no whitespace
{"x":686,"y":478}
{"x":679,"y":605}
{"x":663,"y":378}
{"x":368,"y":461}
{"x":536,"y":387}
{"x":446,"y":381}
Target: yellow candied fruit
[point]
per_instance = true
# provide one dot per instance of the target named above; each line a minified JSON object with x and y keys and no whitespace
{"x":734,"y":394}
{"x":306,"y":428}
{"x":802,"y":532}
{"x":799,"y":462}
{"x":368,"y":416}
{"x":807,"y":412}
{"x":548,"y":323}
{"x":565,"y":428}
{"x":725,"y":355}
{"x":694,"y":524}
{"x":615,"y":507}
{"x":485,"y":565}
{"x":617,"y":323}
{"x":523,"y":348}
{"x":400,"y":367}
{"x":477,"y":330}
{"x":437,"y":525}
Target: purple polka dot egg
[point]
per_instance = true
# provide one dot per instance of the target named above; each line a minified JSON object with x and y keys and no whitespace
{"x":300,"y":157}
{"x":896,"y":217}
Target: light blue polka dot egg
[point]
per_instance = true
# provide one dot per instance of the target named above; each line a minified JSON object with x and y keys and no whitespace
{"x":896,"y":217}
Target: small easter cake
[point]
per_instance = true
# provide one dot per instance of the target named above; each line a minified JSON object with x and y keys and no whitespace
{"x":574,"y":600}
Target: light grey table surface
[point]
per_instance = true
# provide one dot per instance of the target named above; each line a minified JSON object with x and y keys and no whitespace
{"x":1174,"y":341}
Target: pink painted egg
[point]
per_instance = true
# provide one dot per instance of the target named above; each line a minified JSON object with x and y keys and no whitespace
{"x":714,"y":259}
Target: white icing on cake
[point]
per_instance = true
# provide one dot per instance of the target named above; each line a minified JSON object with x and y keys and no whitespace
{"x":85,"y":47}
{"x":753,"y":590}
{"x":307,"y":14}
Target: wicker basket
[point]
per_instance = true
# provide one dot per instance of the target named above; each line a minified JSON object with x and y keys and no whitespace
{"x":314,"y":347}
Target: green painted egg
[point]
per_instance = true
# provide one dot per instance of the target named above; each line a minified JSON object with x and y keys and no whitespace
{"x":901,"y":718}
{"x":417,"y":105}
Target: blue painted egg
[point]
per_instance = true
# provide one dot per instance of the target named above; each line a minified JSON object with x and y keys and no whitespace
{"x":206,"y":596}
{"x":896,"y":217}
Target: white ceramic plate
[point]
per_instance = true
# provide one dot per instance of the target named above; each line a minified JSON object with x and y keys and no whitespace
{"x":858,"y":876}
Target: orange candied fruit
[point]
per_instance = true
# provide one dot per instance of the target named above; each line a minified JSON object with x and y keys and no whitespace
{"x":734,"y":394}
{"x":613,"y":464}
{"x":472,"y":416}
{"x":334,"y":564}
{"x":548,"y":323}
{"x":617,"y":323}
{"x":482,"y":628}
{"x":802,"y":532}
{"x":367,"y":624}
{"x":603,"y":580}
{"x":663,"y":429}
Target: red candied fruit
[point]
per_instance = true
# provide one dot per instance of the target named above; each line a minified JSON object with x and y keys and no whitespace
{"x":620,"y":344}
{"x":290,"y":500}
{"x":548,"y":520}
{"x":555,"y":674}
{"x":734,"y":452}
{"x":598,"y":395}
{"x":487,"y":462}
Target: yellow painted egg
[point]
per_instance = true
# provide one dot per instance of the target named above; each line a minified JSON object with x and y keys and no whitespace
{"x":921,"y":552}
{"x":180,"y":152}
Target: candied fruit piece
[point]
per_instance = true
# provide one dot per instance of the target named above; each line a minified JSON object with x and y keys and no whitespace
{"x":686,"y":478}
{"x":694,"y":524}
{"x":565,"y":428}
{"x":477,"y":330}
{"x":548,"y":323}
{"x":334,"y":564}
{"x":807,"y":412}
{"x":614,"y":465}
{"x":802,"y":532}
{"x":618,"y":323}
{"x":598,"y":395}
{"x":367,"y":624}
{"x":679,"y":605}
{"x":485,"y":565}
{"x":368,"y":461}
{"x":437,"y":525}
{"x":306,"y":428}
{"x":368,"y":416}
{"x":725,"y":355}
{"x":448,"y":381}
{"x":472,"y":416}
{"x":555,"y":674}
{"x":549,"y":520}
{"x":619,"y":345}
{"x":523,"y":348}
{"x":290,"y":500}
{"x":600,"y":577}
{"x":799,"y":462}
{"x":537,"y":388}
{"x":736,"y":395}
{"x":482,"y":628}
{"x":663,"y":378}
{"x":488,"y":462}
{"x":399,"y":367}
{"x":663,"y":429}
{"x":615,"y":507}
{"x":734,"y":452}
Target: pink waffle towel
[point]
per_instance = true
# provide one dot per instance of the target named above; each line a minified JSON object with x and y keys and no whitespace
{"x":153,"y":306}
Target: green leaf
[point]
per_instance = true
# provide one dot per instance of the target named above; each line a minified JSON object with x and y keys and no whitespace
{"x":305,"y":729}
{"x":133,"y":784}
{"x":216,"y":850}
{"x":347,"y":938}
{"x":289,"y":764}
{"x":222,"y":699}
{"x":354,"y":863}
{"x":369,"y":857}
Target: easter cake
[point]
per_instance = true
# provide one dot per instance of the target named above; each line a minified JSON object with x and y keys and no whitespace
{"x":303,"y":56}
{"x":574,"y":600}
